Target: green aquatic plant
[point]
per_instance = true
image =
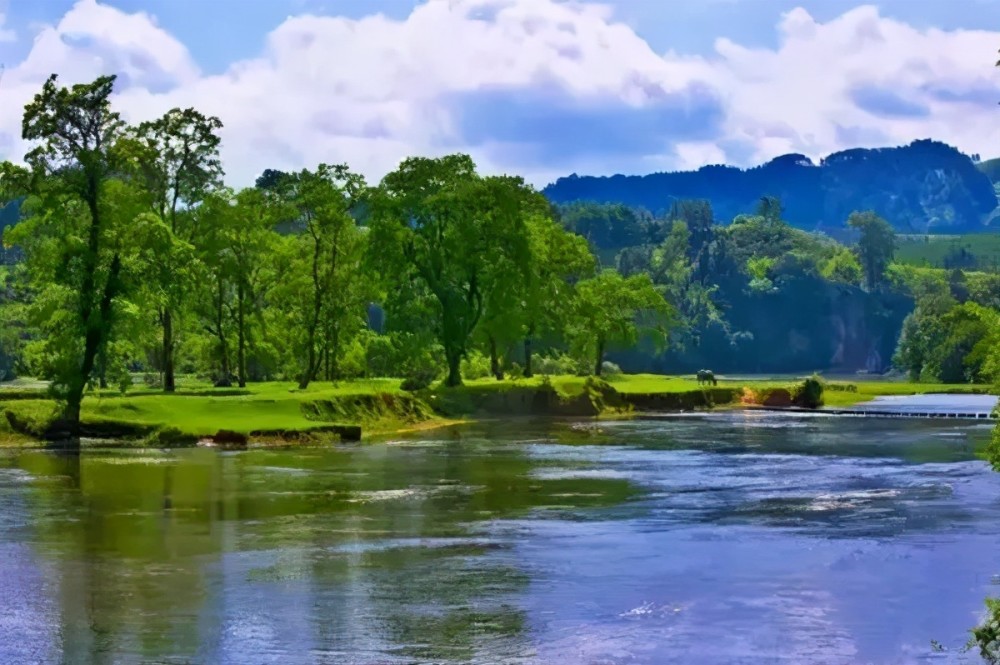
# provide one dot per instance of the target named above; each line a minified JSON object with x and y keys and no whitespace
{"x":986,"y":636}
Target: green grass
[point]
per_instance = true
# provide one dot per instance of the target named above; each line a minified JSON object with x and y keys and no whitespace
{"x":869,"y":390}
{"x":194,"y":409}
{"x":198,"y":409}
{"x":931,"y":250}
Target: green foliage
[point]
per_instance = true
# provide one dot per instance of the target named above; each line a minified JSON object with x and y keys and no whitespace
{"x":842,"y":267}
{"x":759,"y":268}
{"x":611,"y":309}
{"x":137,"y":262}
{"x":76,"y":232}
{"x":876,"y":246}
{"x":605,"y":225}
{"x":462,"y":237}
{"x":475,"y":366}
{"x":986,"y":636}
{"x":560,"y":364}
{"x":320,"y":293}
{"x":949,"y":342}
{"x":809,"y":393}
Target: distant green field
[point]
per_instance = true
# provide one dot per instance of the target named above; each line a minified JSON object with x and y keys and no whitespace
{"x":980,"y":251}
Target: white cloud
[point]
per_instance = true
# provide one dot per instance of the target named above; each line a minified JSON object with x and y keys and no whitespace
{"x":374,"y":90}
{"x":694,"y":154}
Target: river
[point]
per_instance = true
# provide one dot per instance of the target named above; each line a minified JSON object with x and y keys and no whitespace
{"x":723,"y":538}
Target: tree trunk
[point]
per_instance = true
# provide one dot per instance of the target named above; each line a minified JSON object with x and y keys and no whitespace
{"x":600,"y":357}
{"x":326,"y":358}
{"x":454,"y":357}
{"x":224,"y":360}
{"x":168,"y":352}
{"x":495,"y":367}
{"x":95,"y":336}
{"x":220,"y":322}
{"x":241,"y":353}
{"x":311,"y":364}
{"x":102,"y":372}
{"x":333,"y":354}
{"x":528,"y":372}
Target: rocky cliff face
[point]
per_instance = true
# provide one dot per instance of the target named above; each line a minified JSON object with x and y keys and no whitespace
{"x":864,"y":329}
{"x":839,"y":329}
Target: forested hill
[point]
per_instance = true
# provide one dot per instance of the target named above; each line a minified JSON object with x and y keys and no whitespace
{"x":924,"y":187}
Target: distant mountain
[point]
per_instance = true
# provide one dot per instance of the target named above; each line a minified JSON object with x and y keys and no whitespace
{"x":991,"y":167}
{"x":925,"y":187}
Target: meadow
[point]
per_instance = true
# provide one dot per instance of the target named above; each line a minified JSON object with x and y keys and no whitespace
{"x":379,"y":406}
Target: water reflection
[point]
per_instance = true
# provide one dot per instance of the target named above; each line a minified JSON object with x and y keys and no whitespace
{"x":697,"y":540}
{"x":291,"y":554}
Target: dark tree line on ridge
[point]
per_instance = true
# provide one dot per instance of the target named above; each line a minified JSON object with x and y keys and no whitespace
{"x":924,"y":187}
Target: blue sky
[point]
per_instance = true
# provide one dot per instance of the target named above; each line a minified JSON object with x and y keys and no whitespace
{"x":689,"y":26}
{"x":539,"y":87}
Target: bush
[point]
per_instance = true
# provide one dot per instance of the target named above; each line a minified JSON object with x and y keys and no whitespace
{"x":554,"y":365}
{"x":352,"y":363}
{"x":420,"y":368}
{"x":610,"y":369}
{"x":381,"y":356}
{"x":809,"y":393}
{"x":475,"y":366}
{"x":420,"y":379}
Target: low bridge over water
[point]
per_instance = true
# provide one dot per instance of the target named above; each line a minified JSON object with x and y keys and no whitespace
{"x":888,"y":413}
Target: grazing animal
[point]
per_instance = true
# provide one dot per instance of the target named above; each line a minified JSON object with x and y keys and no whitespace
{"x":706,"y":376}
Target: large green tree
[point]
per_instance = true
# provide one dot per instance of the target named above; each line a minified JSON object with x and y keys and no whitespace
{"x":531,"y":290}
{"x":176,"y":157}
{"x":73,"y":238}
{"x":236,"y":254}
{"x":439,"y":222}
{"x":320,"y":282}
{"x":611,"y":309}
{"x":876,"y":246}
{"x":558,"y":261}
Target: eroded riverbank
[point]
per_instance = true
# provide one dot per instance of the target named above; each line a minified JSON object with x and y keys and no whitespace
{"x":270,"y":414}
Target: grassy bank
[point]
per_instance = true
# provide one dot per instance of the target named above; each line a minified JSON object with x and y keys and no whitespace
{"x":281,"y":412}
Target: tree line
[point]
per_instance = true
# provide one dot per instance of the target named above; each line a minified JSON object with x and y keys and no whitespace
{"x":135,"y":256}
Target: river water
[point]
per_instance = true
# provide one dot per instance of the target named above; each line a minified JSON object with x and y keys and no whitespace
{"x":724,"y":538}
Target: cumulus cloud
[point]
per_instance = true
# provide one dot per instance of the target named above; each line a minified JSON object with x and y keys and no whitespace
{"x":539,"y":87}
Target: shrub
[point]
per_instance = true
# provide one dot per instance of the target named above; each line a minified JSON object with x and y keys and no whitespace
{"x":419,"y":379}
{"x":381,"y":356}
{"x":610,"y":369}
{"x":554,"y":365}
{"x":420,"y":370}
{"x":352,"y":362}
{"x":475,"y":366}
{"x":809,"y":393}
